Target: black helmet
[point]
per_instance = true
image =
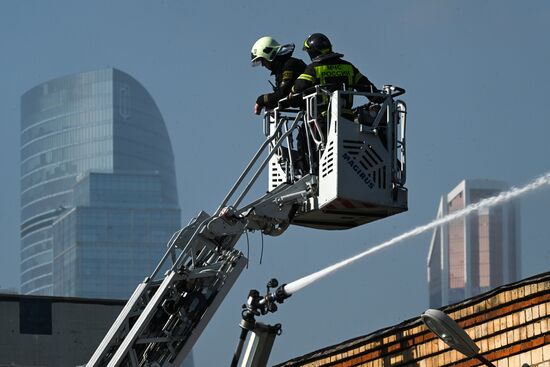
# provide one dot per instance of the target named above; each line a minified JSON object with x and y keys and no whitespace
{"x":317,"y":44}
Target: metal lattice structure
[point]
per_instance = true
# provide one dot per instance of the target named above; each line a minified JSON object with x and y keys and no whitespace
{"x":169,"y":310}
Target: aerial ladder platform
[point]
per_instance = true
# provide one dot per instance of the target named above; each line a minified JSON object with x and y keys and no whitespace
{"x":335,"y":172}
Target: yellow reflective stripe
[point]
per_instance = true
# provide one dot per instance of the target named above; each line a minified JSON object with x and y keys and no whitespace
{"x":266,"y":98}
{"x":307,"y":77}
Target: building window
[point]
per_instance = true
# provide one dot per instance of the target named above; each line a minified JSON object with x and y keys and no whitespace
{"x":35,"y":316}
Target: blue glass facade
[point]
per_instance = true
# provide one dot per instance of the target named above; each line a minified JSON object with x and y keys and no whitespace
{"x":97,"y":185}
{"x":113,"y":237}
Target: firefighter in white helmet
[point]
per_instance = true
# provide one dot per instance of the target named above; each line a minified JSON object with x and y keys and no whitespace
{"x":278,"y":59}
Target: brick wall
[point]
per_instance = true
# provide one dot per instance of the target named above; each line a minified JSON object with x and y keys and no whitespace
{"x":510,"y":325}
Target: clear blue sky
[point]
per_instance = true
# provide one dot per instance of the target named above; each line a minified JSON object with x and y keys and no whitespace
{"x":476,"y":74}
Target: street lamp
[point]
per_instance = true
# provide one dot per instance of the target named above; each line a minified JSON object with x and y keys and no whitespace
{"x":455,"y":337}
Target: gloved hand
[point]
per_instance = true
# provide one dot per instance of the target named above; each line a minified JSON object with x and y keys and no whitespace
{"x":257,"y":109}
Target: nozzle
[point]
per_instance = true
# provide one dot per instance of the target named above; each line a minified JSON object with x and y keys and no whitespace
{"x":257,"y":305}
{"x":281,"y":294}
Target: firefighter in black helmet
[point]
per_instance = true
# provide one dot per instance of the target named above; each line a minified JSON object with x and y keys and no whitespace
{"x":328,"y":69}
{"x":278,"y":59}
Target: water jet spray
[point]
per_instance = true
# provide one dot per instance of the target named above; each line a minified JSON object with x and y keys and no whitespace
{"x":503,"y":197}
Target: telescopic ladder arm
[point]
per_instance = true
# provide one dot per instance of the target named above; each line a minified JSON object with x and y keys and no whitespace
{"x":169,"y":310}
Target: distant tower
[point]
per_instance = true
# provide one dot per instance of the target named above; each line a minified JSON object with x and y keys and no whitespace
{"x":98,"y":186}
{"x":472,"y":255}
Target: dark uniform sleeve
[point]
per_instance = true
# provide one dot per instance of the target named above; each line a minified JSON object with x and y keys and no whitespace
{"x":305,"y":81}
{"x":291,"y":71}
{"x":363,"y":84}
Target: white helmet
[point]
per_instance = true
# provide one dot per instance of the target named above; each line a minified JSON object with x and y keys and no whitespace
{"x":267,"y":48}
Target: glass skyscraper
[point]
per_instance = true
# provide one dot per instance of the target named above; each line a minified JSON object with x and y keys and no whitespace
{"x":98,"y":186}
{"x":472,"y":255}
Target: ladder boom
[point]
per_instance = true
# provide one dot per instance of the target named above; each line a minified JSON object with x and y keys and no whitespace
{"x":168,"y":311}
{"x":350,"y":174}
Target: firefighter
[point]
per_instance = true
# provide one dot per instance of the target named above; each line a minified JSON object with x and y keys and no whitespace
{"x":328,"y":69}
{"x":278,"y":59}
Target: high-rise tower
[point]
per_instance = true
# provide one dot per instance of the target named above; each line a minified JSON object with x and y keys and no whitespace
{"x":98,"y":186}
{"x":472,"y":255}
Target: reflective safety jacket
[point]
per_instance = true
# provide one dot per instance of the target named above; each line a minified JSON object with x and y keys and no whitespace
{"x":335,"y":73}
{"x":286,"y":70}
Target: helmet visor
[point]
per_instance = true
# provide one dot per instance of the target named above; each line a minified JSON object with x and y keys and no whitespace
{"x":256,"y":61}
